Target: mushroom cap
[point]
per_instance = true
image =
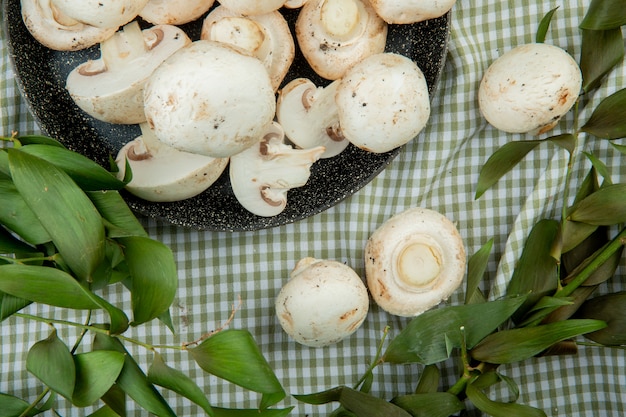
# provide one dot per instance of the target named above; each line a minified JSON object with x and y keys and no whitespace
{"x":266,"y":36}
{"x":164,"y":174}
{"x":324,"y":302}
{"x":209,"y":98}
{"x":173,"y":12}
{"x":252,"y":7}
{"x":410,"y":11}
{"x":58,"y":32}
{"x":113,"y":91}
{"x":331,"y":53}
{"x":383,"y":102}
{"x":102,"y":14}
{"x":529,"y":88}
{"x":415,"y":260}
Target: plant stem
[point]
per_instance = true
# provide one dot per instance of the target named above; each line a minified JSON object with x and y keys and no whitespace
{"x":37,"y":400}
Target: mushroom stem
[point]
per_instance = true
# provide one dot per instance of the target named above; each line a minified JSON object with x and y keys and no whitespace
{"x":418,"y":265}
{"x":243,"y":33}
{"x":343,"y":20}
{"x":124,"y":46}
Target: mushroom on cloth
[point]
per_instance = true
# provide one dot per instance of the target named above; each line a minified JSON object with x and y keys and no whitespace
{"x":101,"y":13}
{"x":333,"y":35}
{"x":172,"y":12}
{"x":411,"y":11}
{"x":56,"y":31}
{"x":111,"y":88}
{"x":413,"y":261}
{"x":252,"y":7}
{"x":266,"y":36}
{"x":209,"y":98}
{"x":262,"y":175}
{"x":164,"y":174}
{"x":529,"y":88}
{"x":323,"y":302}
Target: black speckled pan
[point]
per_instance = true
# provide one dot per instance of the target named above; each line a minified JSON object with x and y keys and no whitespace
{"x":41,"y":75}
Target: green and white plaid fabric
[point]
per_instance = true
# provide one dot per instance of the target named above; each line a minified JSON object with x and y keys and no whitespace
{"x":438,"y":170}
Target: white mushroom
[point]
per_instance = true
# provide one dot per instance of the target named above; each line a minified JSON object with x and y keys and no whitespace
{"x":210,"y":99}
{"x":335,"y":34}
{"x":323,"y":302}
{"x":99,"y":13}
{"x":411,"y":11}
{"x":252,"y":7}
{"x":162,"y":173}
{"x":413,"y":261}
{"x":111,"y":88}
{"x":174,"y":12}
{"x":294,"y":4}
{"x":265,"y":36}
{"x":57,"y":31}
{"x":262,"y":175}
{"x":529,"y":88}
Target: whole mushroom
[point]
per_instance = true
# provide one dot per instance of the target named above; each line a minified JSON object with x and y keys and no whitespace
{"x":415,"y":260}
{"x":529,"y":88}
{"x":323,"y":302}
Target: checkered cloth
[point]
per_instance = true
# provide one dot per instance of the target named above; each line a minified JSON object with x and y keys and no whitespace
{"x":438,"y":170}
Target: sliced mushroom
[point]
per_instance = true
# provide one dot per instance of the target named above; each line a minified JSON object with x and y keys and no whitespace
{"x":101,"y":14}
{"x":529,"y":88}
{"x":174,"y":12}
{"x":262,"y":175}
{"x":252,"y":7}
{"x":323,"y":302}
{"x":111,"y":88}
{"x":415,"y":260}
{"x":164,"y":174}
{"x":57,"y":31}
{"x":265,"y":36}
{"x":411,"y":11}
{"x":335,"y":34}
{"x":210,"y":99}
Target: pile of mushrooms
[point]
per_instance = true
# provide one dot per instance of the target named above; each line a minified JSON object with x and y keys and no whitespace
{"x":223,"y":96}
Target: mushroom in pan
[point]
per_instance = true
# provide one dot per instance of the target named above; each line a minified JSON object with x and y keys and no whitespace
{"x":335,"y":34}
{"x":323,"y":302}
{"x":411,"y":11}
{"x":163,"y":174}
{"x":262,"y":175}
{"x":210,"y":99}
{"x":415,"y":260}
{"x":172,"y":12}
{"x":102,"y":14}
{"x":529,"y":88}
{"x":265,"y":36}
{"x":111,"y":88}
{"x":57,"y":31}
{"x":252,"y":7}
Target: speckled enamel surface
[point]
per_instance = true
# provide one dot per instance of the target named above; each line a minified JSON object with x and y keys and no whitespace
{"x":41,"y":75}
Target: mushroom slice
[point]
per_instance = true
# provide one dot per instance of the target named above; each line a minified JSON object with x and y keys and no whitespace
{"x":111,"y":88}
{"x":411,"y":11}
{"x":529,"y":88}
{"x":383,"y":102}
{"x":56,"y":31}
{"x":265,"y":36}
{"x":310,"y":117}
{"x":161,"y":173}
{"x":172,"y":12}
{"x":101,"y":14}
{"x":335,"y":34}
{"x":415,"y":260}
{"x":210,"y":99}
{"x":252,"y":7}
{"x":323,"y":302}
{"x":262,"y":175}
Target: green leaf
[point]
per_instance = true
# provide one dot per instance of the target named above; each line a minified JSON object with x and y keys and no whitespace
{"x":600,"y":168}
{"x":604,"y":14}
{"x":18,"y":217}
{"x":230,"y":412}
{"x":5,"y":171}
{"x":86,"y":173}
{"x":52,"y":363}
{"x":602,"y":50}
{"x":514,"y":345}
{"x":620,"y":148}
{"x":355,"y":402}
{"x":544,"y":25}
{"x":163,"y":375}
{"x":121,"y":220}
{"x":605,"y":207}
{"x":10,"y":304}
{"x":434,"y":404}
{"x":499,"y":409}
{"x":610,"y":309}
{"x":11,"y":406}
{"x":64,"y":210}
{"x":566,"y":141}
{"x":153,"y":274}
{"x":476,"y":267}
{"x":424,"y":339}
{"x":105,"y":411}
{"x":10,"y":244}
{"x":322,"y":397}
{"x":501,"y":162}
{"x":39,"y":140}
{"x":96,"y":372}
{"x":429,"y":380}
{"x":233,"y":355}
{"x":608,"y":120}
